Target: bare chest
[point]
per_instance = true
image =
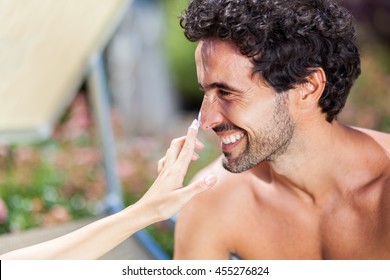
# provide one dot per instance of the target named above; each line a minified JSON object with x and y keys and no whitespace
{"x":341,"y":234}
{"x":349,"y":234}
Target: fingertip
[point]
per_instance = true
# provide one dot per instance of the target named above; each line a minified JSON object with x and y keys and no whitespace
{"x":194,"y":125}
{"x":199,"y":145}
{"x":195,"y":156}
{"x":192,"y":133}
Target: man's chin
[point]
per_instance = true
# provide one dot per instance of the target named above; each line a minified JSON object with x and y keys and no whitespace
{"x":239,"y":164}
{"x":232,"y":165}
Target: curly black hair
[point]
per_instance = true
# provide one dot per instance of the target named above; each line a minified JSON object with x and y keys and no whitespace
{"x":286,"y":40}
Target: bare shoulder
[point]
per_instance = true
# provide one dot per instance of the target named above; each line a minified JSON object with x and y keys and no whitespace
{"x":237,"y":216}
{"x":228,"y":186}
{"x":205,"y":225}
{"x":382,"y":138}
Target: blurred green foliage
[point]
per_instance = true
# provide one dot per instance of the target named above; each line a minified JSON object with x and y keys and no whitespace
{"x":20,"y":198}
{"x":34,"y":197}
{"x":180,"y":54}
{"x":368,"y":103}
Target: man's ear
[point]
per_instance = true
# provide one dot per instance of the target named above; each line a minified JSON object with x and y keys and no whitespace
{"x":311,"y":91}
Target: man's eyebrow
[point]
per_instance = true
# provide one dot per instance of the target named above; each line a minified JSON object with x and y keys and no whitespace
{"x":220,"y":85}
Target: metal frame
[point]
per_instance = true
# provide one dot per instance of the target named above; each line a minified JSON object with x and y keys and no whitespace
{"x":113,"y":202}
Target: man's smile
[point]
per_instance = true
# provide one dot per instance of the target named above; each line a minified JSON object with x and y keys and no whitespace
{"x":230,"y":140}
{"x":230,"y":135}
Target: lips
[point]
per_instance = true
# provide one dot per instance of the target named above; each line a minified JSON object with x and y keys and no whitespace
{"x":230,"y":135}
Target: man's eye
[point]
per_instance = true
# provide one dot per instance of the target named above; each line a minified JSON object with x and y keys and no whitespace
{"x":223,"y":93}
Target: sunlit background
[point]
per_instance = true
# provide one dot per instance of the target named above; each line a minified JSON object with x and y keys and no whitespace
{"x":154,"y":96}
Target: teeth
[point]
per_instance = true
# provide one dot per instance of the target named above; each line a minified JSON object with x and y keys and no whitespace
{"x":232,"y":138}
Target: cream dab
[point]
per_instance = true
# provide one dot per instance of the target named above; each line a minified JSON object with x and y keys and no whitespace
{"x":199,"y":119}
{"x":196,"y":123}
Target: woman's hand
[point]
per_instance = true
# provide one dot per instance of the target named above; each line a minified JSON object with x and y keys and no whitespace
{"x":167,"y":196}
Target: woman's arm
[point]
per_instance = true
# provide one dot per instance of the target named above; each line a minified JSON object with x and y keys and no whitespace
{"x":164,"y":198}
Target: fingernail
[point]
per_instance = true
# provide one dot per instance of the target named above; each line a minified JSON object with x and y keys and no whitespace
{"x":210,"y":180}
{"x":195,"y":156}
{"x":199,"y":119}
{"x":195,"y":125}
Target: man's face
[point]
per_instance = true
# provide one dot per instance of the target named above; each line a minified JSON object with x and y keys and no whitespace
{"x":251,"y":119}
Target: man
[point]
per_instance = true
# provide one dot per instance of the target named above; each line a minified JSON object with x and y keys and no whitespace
{"x":294,"y":182}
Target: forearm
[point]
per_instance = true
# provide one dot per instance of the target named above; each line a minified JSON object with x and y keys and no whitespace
{"x":91,"y":241}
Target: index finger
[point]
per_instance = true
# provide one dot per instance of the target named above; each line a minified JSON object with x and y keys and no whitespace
{"x":187,"y":150}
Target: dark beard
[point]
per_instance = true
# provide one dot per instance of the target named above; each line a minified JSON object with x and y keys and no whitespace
{"x":268,"y":144}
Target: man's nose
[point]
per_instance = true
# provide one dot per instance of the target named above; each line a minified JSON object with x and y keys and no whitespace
{"x":211,"y":115}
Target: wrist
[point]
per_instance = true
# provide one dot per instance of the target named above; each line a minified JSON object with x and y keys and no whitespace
{"x":140,"y":215}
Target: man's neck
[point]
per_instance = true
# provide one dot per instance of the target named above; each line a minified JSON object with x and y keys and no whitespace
{"x":316,"y":163}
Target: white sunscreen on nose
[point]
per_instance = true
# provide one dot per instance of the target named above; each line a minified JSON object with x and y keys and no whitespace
{"x":196,"y":123}
{"x":199,"y":119}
